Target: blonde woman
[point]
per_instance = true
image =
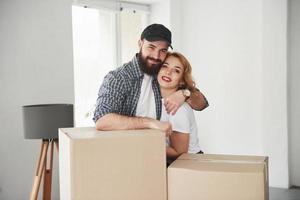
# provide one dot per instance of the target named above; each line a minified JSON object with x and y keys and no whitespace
{"x":175,"y":74}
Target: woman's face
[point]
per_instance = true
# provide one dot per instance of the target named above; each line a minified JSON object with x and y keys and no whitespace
{"x":171,"y":73}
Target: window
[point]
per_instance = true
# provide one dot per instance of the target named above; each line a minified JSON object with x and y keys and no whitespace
{"x":104,"y":37}
{"x":132,"y":24}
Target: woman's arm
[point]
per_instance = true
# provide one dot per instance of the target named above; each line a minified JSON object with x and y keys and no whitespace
{"x":179,"y":144}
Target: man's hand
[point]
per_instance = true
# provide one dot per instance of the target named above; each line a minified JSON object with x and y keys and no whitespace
{"x":160,"y":125}
{"x":173,"y":102}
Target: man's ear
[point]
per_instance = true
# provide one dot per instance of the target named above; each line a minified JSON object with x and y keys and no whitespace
{"x":140,"y":43}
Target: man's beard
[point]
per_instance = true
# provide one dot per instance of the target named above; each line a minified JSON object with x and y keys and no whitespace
{"x":153,"y":69}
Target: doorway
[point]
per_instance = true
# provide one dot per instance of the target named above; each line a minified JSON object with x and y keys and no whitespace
{"x":294,"y":90}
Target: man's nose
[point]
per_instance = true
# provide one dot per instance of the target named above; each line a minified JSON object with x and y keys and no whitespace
{"x":156,"y":54}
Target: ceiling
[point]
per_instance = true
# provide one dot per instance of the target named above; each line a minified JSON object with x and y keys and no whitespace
{"x":143,"y":1}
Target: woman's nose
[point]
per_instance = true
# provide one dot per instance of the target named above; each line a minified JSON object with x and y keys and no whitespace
{"x":169,"y":71}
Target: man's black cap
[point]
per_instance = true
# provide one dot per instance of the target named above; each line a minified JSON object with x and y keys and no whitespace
{"x":157,"y":32}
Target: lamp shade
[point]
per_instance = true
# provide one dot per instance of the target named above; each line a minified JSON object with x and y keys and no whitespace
{"x":42,"y":121}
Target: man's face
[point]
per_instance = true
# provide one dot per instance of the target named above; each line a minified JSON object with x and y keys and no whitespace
{"x":152,"y":55}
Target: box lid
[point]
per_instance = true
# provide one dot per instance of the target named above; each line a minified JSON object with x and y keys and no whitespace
{"x":92,"y":133}
{"x":220,"y":163}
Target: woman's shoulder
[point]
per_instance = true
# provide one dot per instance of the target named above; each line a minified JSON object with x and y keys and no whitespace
{"x":184,"y":112}
{"x":185,"y":108}
{"x":183,"y":119}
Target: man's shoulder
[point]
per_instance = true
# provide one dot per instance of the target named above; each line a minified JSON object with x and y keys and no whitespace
{"x":126,"y":72}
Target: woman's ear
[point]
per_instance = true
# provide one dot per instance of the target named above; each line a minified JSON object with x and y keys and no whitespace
{"x":181,"y":84}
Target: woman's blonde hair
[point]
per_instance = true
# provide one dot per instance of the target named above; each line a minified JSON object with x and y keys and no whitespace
{"x":188,"y":82}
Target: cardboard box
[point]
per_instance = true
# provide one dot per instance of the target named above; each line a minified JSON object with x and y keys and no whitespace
{"x":215,"y":177}
{"x":112,"y":165}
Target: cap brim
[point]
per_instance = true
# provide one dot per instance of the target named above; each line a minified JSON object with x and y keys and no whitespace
{"x":153,"y":39}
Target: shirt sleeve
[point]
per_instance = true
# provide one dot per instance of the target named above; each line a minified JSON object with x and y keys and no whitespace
{"x":111,"y":96}
{"x":181,"y":121}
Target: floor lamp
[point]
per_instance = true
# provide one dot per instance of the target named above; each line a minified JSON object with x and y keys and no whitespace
{"x":42,"y":122}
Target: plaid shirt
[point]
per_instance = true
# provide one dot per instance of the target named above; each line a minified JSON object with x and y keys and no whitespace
{"x":121,"y":89}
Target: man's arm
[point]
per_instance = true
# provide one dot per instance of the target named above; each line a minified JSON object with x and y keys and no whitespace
{"x":197,"y":101}
{"x":110,"y":96}
{"x":113,"y":121}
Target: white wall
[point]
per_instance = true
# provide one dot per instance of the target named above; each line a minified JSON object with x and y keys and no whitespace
{"x":294,"y":90}
{"x":238,"y":53}
{"x":225,"y":50}
{"x":35,"y":67}
{"x":168,"y":13}
{"x":160,"y":12}
{"x":176,"y":23}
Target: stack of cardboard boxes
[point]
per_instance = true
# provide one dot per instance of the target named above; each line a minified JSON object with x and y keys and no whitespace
{"x":131,"y":165}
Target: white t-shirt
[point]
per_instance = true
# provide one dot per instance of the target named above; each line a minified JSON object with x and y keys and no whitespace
{"x":146,"y":103}
{"x":183,"y":121}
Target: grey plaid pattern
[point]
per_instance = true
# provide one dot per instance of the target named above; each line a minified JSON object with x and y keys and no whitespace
{"x":121,"y":89}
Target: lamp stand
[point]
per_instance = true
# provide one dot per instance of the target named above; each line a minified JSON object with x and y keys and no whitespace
{"x":43,"y":170}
